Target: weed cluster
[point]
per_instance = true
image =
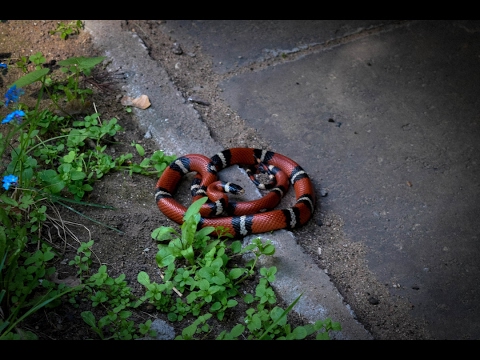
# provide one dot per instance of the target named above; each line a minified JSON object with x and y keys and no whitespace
{"x":206,"y":270}
{"x":50,"y":160}
{"x":65,"y":30}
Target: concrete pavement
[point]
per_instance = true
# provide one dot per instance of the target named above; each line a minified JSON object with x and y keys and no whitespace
{"x":383,"y":114}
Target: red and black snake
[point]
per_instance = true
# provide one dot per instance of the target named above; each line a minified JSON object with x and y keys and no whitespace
{"x":251,"y":217}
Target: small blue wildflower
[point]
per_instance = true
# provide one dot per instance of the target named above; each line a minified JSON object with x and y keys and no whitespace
{"x":3,"y":66}
{"x":9,"y":180}
{"x":12,"y":94}
{"x":17,"y":114}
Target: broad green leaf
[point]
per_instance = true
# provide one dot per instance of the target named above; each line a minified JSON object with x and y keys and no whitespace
{"x":48,"y":255}
{"x":30,"y":78}
{"x":268,"y":250}
{"x":299,"y":333}
{"x":89,"y":318}
{"x":78,"y":175}
{"x":165,"y":257}
{"x":8,"y":200}
{"x":189,"y":331}
{"x":188,"y":254}
{"x":85,"y":64}
{"x":203,"y":284}
{"x":217,"y":263}
{"x":140,"y":149}
{"x":70,"y":157}
{"x":56,"y":187}
{"x":216,"y":306}
{"x":194,"y":208}
{"x":237,"y":330}
{"x":248,"y":298}
{"x":232,"y":303}
{"x":236,"y":273}
{"x":277,"y":315}
{"x":163,"y":233}
{"x":200,"y":234}
{"x":236,"y":246}
{"x":87,"y":187}
{"x":322,"y":336}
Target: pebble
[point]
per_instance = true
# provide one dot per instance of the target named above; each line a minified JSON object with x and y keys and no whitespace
{"x":163,"y":329}
{"x":198,"y":101}
{"x":177,"y":49}
{"x":374,"y":301}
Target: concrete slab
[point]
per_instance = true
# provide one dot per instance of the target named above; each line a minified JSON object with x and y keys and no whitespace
{"x":389,"y":125}
{"x":239,"y":43}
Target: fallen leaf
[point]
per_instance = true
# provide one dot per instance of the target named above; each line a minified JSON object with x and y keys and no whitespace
{"x":141,"y":102}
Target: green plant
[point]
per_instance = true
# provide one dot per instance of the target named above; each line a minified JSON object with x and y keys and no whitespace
{"x":65,"y":30}
{"x":114,"y":298}
{"x":193,"y":329}
{"x":153,"y":165}
{"x":182,"y":245}
{"x":74,"y":68}
{"x":201,"y":281}
{"x":49,"y":166}
{"x":22,"y":275}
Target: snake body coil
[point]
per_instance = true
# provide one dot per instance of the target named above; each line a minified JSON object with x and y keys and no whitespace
{"x":246,"y":216}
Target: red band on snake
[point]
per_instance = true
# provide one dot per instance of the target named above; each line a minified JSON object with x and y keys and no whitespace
{"x":246,"y":217}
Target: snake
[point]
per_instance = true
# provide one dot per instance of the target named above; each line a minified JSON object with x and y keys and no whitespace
{"x":242,"y":218}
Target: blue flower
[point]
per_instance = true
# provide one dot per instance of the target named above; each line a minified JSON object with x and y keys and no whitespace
{"x":3,"y":66}
{"x":12,"y":94}
{"x":17,"y":114}
{"x":9,"y":180}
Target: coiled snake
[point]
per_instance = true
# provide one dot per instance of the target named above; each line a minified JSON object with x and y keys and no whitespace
{"x":251,"y":217}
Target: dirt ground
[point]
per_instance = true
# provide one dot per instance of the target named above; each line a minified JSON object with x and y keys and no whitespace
{"x":386,"y":316}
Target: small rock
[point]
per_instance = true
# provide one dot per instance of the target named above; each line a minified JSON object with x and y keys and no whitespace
{"x":415,"y":287}
{"x":374,"y":301}
{"x":198,"y":101}
{"x":177,"y":49}
{"x":164,"y":331}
